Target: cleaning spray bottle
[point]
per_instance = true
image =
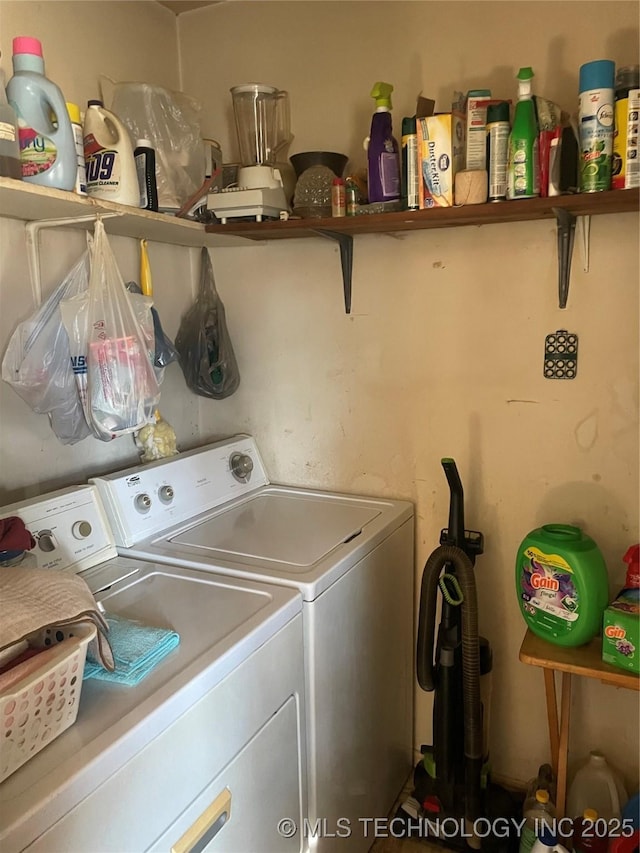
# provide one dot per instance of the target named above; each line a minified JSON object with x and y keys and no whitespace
{"x":523,"y":178}
{"x":382,"y":149}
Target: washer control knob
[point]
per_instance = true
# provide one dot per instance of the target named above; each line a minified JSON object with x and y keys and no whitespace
{"x":81,"y":529}
{"x":142,"y":502}
{"x":46,"y":542}
{"x":241,"y":466}
{"x":166,"y":494}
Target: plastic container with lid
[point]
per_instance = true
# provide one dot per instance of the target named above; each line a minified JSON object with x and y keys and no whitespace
{"x":145,"y":159}
{"x":539,"y":813}
{"x":596,"y":785}
{"x":590,"y":834}
{"x":108,"y":156}
{"x":47,"y":147}
{"x":76,"y":125}
{"x":562,"y":585}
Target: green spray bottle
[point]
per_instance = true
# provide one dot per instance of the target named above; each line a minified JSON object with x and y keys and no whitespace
{"x":523,"y":173}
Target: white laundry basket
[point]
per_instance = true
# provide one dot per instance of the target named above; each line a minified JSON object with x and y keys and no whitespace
{"x":34,"y":711}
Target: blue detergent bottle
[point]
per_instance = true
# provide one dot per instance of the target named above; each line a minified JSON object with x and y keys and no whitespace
{"x":47,"y":146}
{"x":383,"y":158}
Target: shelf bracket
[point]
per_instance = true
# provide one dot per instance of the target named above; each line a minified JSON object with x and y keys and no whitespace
{"x":566,"y":231}
{"x":33,"y":229}
{"x":345,"y":242}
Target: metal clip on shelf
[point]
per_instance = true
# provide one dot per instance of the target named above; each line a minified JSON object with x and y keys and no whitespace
{"x":345,"y":241}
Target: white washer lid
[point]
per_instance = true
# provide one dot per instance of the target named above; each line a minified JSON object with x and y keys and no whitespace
{"x":297,"y":531}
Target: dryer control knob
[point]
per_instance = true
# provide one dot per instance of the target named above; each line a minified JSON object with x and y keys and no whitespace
{"x":241,"y":466}
{"x":46,"y":542}
{"x":166,"y":494}
{"x":81,"y":529}
{"x":143,"y":503}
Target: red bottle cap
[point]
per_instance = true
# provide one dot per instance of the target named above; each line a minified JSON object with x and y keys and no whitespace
{"x":337,"y":182}
{"x":27,"y":44}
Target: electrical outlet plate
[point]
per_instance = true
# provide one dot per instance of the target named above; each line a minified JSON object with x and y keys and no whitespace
{"x":561,"y":355}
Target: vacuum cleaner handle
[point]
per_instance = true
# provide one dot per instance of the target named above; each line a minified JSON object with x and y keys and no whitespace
{"x":456,"y":504}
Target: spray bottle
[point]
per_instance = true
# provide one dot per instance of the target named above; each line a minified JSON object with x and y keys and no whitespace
{"x":382,"y":149}
{"x":523,"y":179}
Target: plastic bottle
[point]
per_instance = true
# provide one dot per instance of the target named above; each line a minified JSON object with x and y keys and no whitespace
{"x":625,"y":169}
{"x":595,"y":125}
{"x":47,"y":148}
{"x":596,"y":785}
{"x":539,"y":813}
{"x":410,"y":199}
{"x":590,"y":834}
{"x":145,"y":157}
{"x":562,"y":585}
{"x":108,"y":156}
{"x":498,"y":128}
{"x":382,"y":151}
{"x":523,"y":178}
{"x":76,"y":125}
{"x":10,"y":166}
{"x":338,"y":198}
{"x":544,"y":781}
{"x":548,"y":843}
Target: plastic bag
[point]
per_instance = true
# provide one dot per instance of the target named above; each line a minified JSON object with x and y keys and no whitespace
{"x":170,"y":121}
{"x":37,"y":362}
{"x":111,"y":350}
{"x":203,"y":343}
{"x":164,"y":352}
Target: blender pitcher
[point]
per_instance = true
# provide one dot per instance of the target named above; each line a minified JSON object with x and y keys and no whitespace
{"x":262,"y":122}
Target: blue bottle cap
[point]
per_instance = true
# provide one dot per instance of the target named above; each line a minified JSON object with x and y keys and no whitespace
{"x":599,"y":74}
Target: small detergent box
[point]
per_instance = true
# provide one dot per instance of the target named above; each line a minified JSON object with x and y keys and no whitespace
{"x":621,"y":622}
{"x":441,"y":154}
{"x":621,"y":632}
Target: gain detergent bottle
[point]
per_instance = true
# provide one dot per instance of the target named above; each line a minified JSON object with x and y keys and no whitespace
{"x":562,"y":586}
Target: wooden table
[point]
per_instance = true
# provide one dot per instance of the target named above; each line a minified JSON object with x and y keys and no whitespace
{"x":585,"y":661}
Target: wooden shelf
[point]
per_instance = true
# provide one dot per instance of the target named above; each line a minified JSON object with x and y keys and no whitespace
{"x":32,"y":203}
{"x":585,"y":204}
{"x":583,"y":660}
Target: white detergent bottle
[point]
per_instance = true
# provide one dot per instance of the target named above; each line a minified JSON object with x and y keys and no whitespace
{"x":47,"y":147}
{"x":108,"y":156}
{"x":547,"y":843}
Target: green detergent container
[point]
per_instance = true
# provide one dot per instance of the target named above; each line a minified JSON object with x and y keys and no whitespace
{"x":562,"y":586}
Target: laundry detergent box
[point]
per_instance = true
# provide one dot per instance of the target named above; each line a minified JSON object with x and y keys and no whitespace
{"x":441,"y":155}
{"x":621,"y":631}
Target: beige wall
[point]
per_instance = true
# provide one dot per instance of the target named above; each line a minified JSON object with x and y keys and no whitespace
{"x":442,"y":355}
{"x":443,"y":352}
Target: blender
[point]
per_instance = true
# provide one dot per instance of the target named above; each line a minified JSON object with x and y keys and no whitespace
{"x":262,"y":123}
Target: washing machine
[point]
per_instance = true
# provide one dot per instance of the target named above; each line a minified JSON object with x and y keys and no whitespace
{"x":207,"y":752}
{"x":350,"y":557}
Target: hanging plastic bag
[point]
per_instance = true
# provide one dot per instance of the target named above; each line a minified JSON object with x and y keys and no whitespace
{"x":203,"y":343}
{"x":37,"y":362}
{"x":111,"y":350}
{"x":164,"y":352}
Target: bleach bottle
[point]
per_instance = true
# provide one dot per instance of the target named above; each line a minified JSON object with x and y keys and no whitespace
{"x":562,"y":585}
{"x":108,"y":157}
{"x":383,"y":157}
{"x":47,"y":146}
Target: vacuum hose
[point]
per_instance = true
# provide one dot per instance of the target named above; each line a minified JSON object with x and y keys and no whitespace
{"x":473,"y":735}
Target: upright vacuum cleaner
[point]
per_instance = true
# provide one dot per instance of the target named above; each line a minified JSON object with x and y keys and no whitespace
{"x":452,"y":780}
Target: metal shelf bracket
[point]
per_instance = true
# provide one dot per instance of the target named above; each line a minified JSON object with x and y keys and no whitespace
{"x":345,"y":242}
{"x":566,"y":231}
{"x":33,"y":229}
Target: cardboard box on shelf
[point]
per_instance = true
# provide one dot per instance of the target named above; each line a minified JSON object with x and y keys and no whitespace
{"x":441,"y":154}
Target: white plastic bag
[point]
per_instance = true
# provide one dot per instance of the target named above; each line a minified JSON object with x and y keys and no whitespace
{"x":37,"y":362}
{"x":110,"y":350}
{"x":171,"y":122}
